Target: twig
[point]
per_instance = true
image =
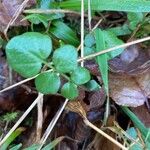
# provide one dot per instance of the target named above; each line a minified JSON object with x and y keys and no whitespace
{"x":89,"y":14}
{"x":52,"y":124}
{"x":104,"y":134}
{"x":39,"y":119}
{"x":21,"y":118}
{"x":82,"y":31}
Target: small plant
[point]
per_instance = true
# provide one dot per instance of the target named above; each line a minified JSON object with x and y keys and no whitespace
{"x":27,"y":53}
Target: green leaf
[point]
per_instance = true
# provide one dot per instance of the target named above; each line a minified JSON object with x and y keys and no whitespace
{"x":89,"y":40}
{"x":115,"y":5}
{"x":33,"y":147}
{"x":53,"y":143}
{"x":65,"y":59}
{"x":88,"y":50}
{"x":69,"y":90}
{"x":92,"y":85}
{"x":17,"y":147}
{"x":37,"y":18}
{"x":102,"y":59}
{"x":64,"y":32}
{"x":80,"y":76}
{"x":48,"y":83}
{"x":134,"y":19}
{"x":112,"y":40}
{"x":120,"y":30}
{"x":136,"y":121}
{"x":11,"y":138}
{"x":27,"y":52}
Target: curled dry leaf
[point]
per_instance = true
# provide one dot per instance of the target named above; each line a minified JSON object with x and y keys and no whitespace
{"x":96,"y":99}
{"x":132,"y":61}
{"x":7,"y":10}
{"x":129,"y":90}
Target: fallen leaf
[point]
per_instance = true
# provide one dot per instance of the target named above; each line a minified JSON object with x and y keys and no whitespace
{"x":143,"y":114}
{"x":134,"y":60}
{"x":129,"y":90}
{"x":8,"y":9}
{"x":97,"y":99}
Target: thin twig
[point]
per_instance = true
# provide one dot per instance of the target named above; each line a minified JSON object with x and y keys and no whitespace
{"x":39,"y":119}
{"x":104,"y":134}
{"x":52,"y":124}
{"x":82,"y":31}
{"x":21,"y":118}
{"x":89,"y":14}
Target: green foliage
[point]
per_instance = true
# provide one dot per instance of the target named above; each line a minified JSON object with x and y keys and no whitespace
{"x":111,"y":40}
{"x":65,"y":59}
{"x":102,"y":60}
{"x":16,"y":147}
{"x":144,"y":130}
{"x":9,"y":116}
{"x":89,"y":40}
{"x":69,"y":90}
{"x":133,"y":133}
{"x":27,"y":52}
{"x":92,"y":85}
{"x":80,"y":76}
{"x":134,"y":19}
{"x":11,"y":138}
{"x":53,"y":143}
{"x":121,"y":30}
{"x":64,"y":32}
{"x":115,"y":5}
{"x":47,"y":83}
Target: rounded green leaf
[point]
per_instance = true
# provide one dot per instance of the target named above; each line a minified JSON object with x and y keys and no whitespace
{"x":26,"y":52}
{"x":80,"y":76}
{"x":48,"y":83}
{"x":69,"y":90}
{"x":92,"y":85}
{"x":65,"y":59}
{"x":89,"y":40}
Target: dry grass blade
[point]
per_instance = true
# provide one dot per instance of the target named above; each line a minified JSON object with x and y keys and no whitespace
{"x":22,"y":118}
{"x":82,"y":31}
{"x":104,"y":134}
{"x":50,"y":11}
{"x":39,"y":119}
{"x":52,"y":124}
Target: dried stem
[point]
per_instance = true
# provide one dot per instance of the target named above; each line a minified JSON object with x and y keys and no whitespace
{"x":104,"y":134}
{"x":21,"y":118}
{"x":52,"y":124}
{"x":39,"y":119}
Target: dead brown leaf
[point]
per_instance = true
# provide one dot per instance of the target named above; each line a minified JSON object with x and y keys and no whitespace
{"x":143,"y":114}
{"x":129,"y":90}
{"x":7,"y":10}
{"x":132,"y":61}
{"x":97,"y":99}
